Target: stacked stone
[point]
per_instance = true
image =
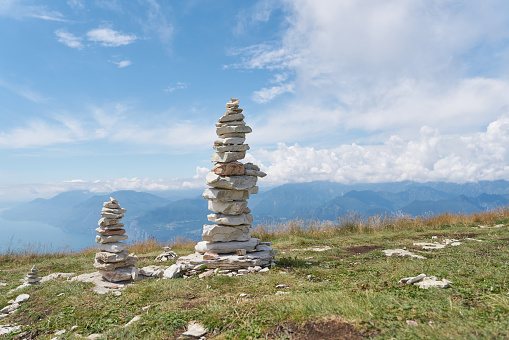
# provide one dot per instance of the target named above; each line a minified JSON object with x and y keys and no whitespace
{"x":114,"y":261}
{"x":232,"y":183}
{"x":32,"y":277}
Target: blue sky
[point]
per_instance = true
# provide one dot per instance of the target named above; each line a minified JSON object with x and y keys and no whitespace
{"x":107,"y":95}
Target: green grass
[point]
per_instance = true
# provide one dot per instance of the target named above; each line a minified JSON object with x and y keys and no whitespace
{"x":353,"y":283}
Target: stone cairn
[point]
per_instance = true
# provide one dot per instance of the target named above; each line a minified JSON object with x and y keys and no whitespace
{"x":32,"y":277}
{"x":228,"y":244}
{"x":167,"y":255}
{"x":114,"y":261}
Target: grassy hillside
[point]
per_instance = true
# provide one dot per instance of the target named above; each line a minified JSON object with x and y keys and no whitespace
{"x":348,"y":291}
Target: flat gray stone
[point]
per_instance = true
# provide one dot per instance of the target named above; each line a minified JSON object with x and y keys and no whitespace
{"x":231,"y":148}
{"x":109,"y":239}
{"x":114,"y":247}
{"x":230,"y":207}
{"x":226,"y":247}
{"x":233,"y":129}
{"x":231,"y":140}
{"x":230,"y":118}
{"x":225,"y":157}
{"x":226,"y":195}
{"x":106,"y":256}
{"x":223,"y":233}
{"x":231,"y":182}
{"x":231,"y":219}
{"x":128,"y":262}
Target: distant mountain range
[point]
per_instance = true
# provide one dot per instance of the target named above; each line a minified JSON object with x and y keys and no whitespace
{"x":151,"y":215}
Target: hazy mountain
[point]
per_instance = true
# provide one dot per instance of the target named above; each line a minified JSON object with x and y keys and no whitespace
{"x":47,"y":210}
{"x":183,"y":218}
{"x":150,"y":215}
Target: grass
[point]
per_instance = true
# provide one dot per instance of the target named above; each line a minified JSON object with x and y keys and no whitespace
{"x":349,"y":289}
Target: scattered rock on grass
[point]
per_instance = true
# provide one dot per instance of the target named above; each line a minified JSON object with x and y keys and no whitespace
{"x":195,"y":330}
{"x":425,"y":282}
{"x":133,"y":320}
{"x":6,"y":329}
{"x":402,"y":252}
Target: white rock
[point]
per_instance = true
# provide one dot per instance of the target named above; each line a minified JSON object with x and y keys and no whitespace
{"x":109,"y":239}
{"x":226,"y":247}
{"x":60,"y":332}
{"x":112,"y":216}
{"x":230,"y":118}
{"x":231,"y":140}
{"x":114,"y":211}
{"x":133,"y":320}
{"x":231,"y":148}
{"x":427,"y":245}
{"x":401,"y":252}
{"x":114,"y":247}
{"x":173,"y":271}
{"x":9,"y":308}
{"x":231,"y":182}
{"x":225,"y":130}
{"x":104,"y":222}
{"x":6,"y":329}
{"x":226,"y":195}
{"x":195,"y":330}
{"x":112,"y":257}
{"x":119,"y":274}
{"x":230,"y":207}
{"x":224,"y":233}
{"x":225,"y":157}
{"x":231,"y":219}
{"x":21,"y":298}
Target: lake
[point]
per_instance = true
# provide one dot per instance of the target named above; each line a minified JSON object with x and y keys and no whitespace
{"x":41,"y":237}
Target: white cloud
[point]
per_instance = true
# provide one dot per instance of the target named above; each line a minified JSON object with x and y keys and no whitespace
{"x":69,"y":39}
{"x":429,"y":156}
{"x":23,"y":91}
{"x":110,"y":38}
{"x":267,"y":94}
{"x":177,"y":86}
{"x":50,"y":189}
{"x":382,"y":67}
{"x":122,"y":63}
{"x":158,"y":21}
{"x":18,"y":10}
{"x":76,"y":4}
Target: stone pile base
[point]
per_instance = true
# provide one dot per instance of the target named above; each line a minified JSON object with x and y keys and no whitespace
{"x":226,"y":263}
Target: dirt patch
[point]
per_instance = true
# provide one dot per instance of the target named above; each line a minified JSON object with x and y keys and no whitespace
{"x":332,"y":328}
{"x":361,"y":249}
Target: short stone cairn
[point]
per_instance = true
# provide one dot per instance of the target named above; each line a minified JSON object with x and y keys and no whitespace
{"x":32,"y":277}
{"x":167,"y":255}
{"x":228,"y":244}
{"x":114,"y":261}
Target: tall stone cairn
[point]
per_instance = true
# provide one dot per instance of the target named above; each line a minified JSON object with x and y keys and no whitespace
{"x":227,"y":243}
{"x":114,"y":261}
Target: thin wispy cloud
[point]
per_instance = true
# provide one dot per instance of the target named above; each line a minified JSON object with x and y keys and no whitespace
{"x":69,"y":39}
{"x":110,"y":38}
{"x":121,"y":63}
{"x":23,"y":91}
{"x":177,"y":86}
{"x":18,"y":10}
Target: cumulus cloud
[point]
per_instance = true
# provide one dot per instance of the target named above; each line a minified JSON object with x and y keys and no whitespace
{"x":430,"y":156}
{"x":384,"y":67}
{"x":110,"y":38}
{"x":49,"y":189}
{"x":69,"y":39}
